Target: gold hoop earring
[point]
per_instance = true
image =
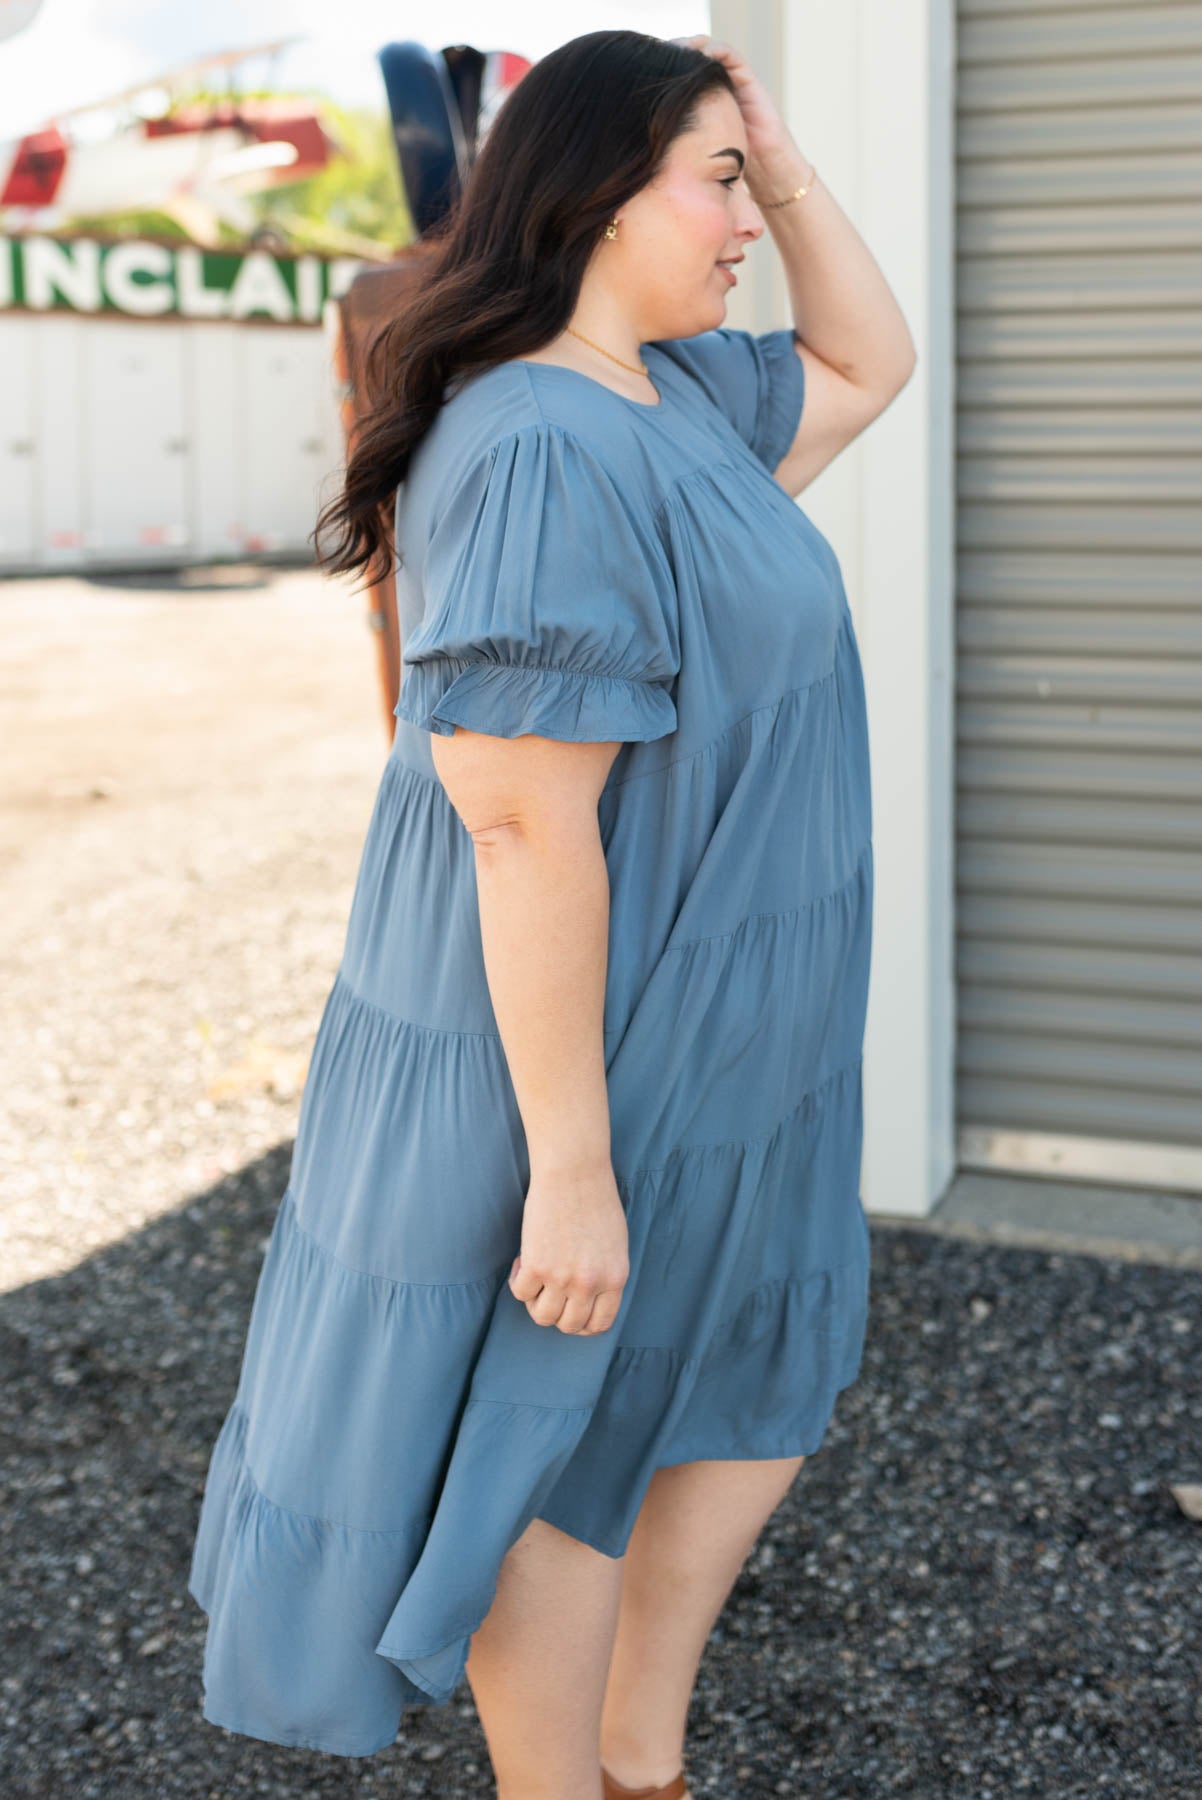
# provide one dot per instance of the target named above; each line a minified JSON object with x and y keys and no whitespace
{"x":611,"y":230}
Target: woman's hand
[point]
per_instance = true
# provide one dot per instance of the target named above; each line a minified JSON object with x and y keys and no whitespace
{"x":773,"y":157}
{"x":574,"y":1260}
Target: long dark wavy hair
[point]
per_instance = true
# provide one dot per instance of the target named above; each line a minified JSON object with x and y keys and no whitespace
{"x":586,"y":127}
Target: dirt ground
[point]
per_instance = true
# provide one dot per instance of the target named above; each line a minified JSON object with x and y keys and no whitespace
{"x":186,"y":774}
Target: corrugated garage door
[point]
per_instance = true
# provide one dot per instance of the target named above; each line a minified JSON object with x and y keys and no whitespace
{"x":1079,"y":605}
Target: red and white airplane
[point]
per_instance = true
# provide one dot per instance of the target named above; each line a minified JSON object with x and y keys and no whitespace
{"x":193,"y":161}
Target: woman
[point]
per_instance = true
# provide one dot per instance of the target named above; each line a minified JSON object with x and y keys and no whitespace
{"x":572,"y":1261}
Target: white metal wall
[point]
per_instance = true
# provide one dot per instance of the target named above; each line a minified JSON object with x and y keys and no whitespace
{"x":866,"y":88}
{"x":1079,"y":589}
{"x":126,"y":442}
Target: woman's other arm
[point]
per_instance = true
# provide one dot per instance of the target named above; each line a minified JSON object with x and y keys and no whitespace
{"x":530,"y":805}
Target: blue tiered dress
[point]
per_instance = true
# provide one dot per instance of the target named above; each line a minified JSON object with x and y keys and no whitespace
{"x":588,"y":567}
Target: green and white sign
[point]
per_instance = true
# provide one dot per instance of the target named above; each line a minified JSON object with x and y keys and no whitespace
{"x":142,"y":279}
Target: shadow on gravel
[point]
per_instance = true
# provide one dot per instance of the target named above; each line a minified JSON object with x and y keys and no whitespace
{"x":980,"y":1585}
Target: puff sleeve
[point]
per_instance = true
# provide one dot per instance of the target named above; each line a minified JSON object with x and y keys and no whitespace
{"x":758,"y":381}
{"x":549,"y":602}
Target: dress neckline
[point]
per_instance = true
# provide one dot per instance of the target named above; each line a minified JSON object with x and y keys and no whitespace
{"x":520,"y":362}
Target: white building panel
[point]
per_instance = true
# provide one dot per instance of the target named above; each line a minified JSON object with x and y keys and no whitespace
{"x":18,"y":442}
{"x":137,"y":448}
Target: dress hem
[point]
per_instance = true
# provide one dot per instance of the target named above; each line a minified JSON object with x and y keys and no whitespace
{"x":700,"y":1452}
{"x":290,"y":1742}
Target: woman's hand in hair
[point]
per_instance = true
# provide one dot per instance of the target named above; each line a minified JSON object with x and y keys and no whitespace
{"x":772,"y":154}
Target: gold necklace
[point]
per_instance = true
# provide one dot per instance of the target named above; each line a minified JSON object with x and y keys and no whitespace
{"x":635,"y":368}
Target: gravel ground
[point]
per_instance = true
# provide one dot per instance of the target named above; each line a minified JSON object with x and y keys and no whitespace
{"x":980,"y":1586}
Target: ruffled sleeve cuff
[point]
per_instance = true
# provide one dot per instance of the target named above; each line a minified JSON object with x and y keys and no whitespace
{"x":780,"y":409}
{"x":511,"y":699}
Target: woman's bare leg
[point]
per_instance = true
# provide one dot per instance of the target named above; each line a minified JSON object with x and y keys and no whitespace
{"x":585,"y":1658}
{"x":537,"y":1665}
{"x":696,"y":1527}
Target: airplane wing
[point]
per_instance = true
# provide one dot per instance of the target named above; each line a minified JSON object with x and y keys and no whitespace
{"x":219,"y":59}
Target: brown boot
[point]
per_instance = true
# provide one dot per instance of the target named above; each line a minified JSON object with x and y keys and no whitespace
{"x":675,"y":1789}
